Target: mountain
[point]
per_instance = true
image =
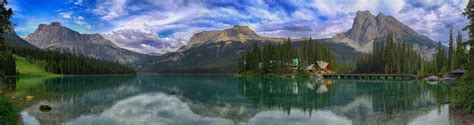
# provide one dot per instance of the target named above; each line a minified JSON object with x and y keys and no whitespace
{"x":237,"y":33}
{"x":12,"y":39}
{"x":59,"y":38}
{"x":218,"y":51}
{"x":368,"y":29}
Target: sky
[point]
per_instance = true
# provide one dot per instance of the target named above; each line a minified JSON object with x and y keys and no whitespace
{"x":161,"y":26}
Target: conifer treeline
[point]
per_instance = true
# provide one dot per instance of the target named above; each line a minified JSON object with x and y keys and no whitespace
{"x":456,"y":57}
{"x":390,"y":58}
{"x":283,"y":58}
{"x":7,"y":61}
{"x":67,"y":63}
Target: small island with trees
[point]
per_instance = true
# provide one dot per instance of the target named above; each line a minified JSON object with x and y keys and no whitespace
{"x":287,"y":60}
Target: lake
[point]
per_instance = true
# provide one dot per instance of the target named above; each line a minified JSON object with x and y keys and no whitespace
{"x":221,"y":99}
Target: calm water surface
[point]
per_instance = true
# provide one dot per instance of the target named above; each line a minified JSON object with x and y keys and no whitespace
{"x":200,"y":99}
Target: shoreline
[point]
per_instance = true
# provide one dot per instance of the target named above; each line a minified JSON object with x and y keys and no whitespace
{"x":459,"y":116}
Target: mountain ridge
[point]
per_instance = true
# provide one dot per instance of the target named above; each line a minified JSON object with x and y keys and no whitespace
{"x":236,"y":33}
{"x":11,"y":38}
{"x":60,"y":38}
{"x":218,"y":51}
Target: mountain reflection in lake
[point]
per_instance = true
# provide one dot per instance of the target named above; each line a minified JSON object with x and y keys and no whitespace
{"x":200,"y":99}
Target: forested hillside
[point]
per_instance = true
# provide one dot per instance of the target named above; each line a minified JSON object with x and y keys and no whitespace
{"x":390,"y":57}
{"x":393,"y":57}
{"x":284,"y":58}
{"x":67,"y":63}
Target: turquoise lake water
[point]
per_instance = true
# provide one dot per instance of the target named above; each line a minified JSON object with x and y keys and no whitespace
{"x":221,"y":100}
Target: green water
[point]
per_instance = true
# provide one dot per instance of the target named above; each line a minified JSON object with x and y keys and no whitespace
{"x":201,"y":99}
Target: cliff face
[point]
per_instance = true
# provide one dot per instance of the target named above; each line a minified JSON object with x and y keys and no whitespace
{"x":11,"y":38}
{"x":59,"y":38}
{"x":368,"y":29}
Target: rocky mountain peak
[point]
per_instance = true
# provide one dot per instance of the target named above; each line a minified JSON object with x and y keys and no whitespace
{"x":46,"y":36}
{"x":55,"y":24}
{"x":60,"y":38}
{"x":241,"y":30}
{"x":368,"y":29}
{"x":380,"y":15}
{"x":234,"y":34}
{"x":363,"y":14}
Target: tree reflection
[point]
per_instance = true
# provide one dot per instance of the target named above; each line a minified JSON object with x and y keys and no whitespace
{"x":388,"y":97}
{"x":286,"y":93}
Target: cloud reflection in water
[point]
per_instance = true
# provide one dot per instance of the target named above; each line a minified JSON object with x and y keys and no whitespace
{"x":164,"y":109}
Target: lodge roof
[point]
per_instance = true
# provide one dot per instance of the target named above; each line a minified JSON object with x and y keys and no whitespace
{"x":456,"y":71}
{"x":322,"y":64}
{"x":310,"y":67}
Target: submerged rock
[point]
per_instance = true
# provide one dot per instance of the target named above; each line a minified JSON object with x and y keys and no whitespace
{"x":29,"y":98}
{"x":45,"y":108}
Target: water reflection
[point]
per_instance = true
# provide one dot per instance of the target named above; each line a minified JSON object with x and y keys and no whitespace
{"x":163,"y":109}
{"x":192,"y":99}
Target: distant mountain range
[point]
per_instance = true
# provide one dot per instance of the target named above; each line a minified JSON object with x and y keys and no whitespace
{"x":59,"y":38}
{"x":218,"y":51}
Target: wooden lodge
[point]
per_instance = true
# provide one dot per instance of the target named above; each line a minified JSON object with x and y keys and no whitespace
{"x":320,"y":67}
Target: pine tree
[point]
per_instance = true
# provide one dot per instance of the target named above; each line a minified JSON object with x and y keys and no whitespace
{"x":255,"y":58}
{"x":8,"y":64}
{"x":460,"y":52}
{"x":451,"y":50}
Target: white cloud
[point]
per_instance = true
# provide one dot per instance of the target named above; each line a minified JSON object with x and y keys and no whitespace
{"x":78,"y":2}
{"x":146,"y":42}
{"x":79,"y":20}
{"x":434,"y":22}
{"x":110,"y":9}
{"x":66,"y":15}
{"x":426,"y":4}
{"x":303,"y":14}
{"x":325,"y":18}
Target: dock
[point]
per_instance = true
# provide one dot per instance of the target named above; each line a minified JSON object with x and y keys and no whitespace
{"x":370,"y":76}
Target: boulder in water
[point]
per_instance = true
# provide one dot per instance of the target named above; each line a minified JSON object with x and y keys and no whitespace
{"x":432,"y":78}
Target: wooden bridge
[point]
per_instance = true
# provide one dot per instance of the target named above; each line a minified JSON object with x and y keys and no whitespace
{"x":370,"y":76}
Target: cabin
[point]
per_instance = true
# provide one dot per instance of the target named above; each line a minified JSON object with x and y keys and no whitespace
{"x":457,"y":73}
{"x":321,"y":67}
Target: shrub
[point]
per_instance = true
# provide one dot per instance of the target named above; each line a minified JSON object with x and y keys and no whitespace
{"x":8,"y":112}
{"x":464,"y":92}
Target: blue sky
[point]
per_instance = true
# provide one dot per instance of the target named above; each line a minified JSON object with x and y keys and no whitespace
{"x":160,"y":26}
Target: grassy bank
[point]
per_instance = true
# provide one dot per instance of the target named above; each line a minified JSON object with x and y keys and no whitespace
{"x":33,"y":68}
